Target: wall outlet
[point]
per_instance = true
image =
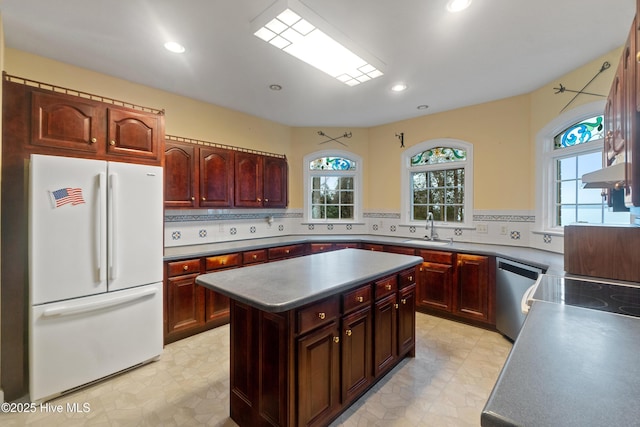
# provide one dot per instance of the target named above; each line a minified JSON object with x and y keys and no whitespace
{"x":482,"y":228}
{"x":504,"y":229}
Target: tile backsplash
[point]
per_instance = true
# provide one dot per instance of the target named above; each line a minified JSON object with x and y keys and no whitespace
{"x":192,"y":227}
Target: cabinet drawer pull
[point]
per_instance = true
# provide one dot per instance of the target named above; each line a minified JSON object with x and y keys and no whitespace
{"x":322,"y":315}
{"x":185,"y":267}
{"x":255,"y":256}
{"x":359,"y":299}
{"x":638,"y":57}
{"x":387,"y":286}
{"x":348,"y":332}
{"x":286,"y":251}
{"x":336,"y":340}
{"x":411,"y":278}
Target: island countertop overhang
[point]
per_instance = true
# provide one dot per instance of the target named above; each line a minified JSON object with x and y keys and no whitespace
{"x":288,"y":284}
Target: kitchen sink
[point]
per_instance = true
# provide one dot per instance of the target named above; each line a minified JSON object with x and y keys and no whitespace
{"x":425,"y":242}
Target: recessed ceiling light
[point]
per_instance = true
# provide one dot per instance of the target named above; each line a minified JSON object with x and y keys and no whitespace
{"x":275,"y":87}
{"x":422,"y":107}
{"x":174,"y":47}
{"x":399,"y":87}
{"x":458,"y":5}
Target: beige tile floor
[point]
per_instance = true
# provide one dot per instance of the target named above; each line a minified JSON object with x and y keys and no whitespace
{"x":446,"y":384}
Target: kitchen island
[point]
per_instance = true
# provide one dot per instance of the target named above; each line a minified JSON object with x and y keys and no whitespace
{"x":310,"y":335}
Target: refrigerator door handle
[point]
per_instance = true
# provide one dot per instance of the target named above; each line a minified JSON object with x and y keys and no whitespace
{"x":101,"y":229}
{"x":98,"y":305}
{"x":113,"y":193}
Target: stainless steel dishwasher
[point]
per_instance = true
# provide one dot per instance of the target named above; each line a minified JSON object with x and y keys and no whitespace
{"x":513,"y":280}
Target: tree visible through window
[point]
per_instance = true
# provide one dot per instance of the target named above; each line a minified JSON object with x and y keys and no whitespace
{"x":332,"y":188}
{"x":438,"y":184}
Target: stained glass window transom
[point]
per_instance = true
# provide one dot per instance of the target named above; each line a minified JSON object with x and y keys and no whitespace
{"x":438,"y":155}
{"x":332,"y":163}
{"x":580,"y":133}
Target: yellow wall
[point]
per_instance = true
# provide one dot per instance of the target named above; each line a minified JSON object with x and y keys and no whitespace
{"x":502,"y":132}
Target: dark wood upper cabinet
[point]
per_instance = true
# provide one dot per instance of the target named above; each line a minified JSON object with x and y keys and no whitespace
{"x":275,"y":182}
{"x":180,"y":175}
{"x":249,"y":180}
{"x":133,"y":133}
{"x":216,"y":177}
{"x":64,"y":122}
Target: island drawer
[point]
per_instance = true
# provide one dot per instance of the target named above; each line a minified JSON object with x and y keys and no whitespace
{"x":320,"y":247}
{"x":407,"y":278}
{"x":251,"y":257}
{"x":317,"y":314}
{"x":187,"y":266}
{"x":386,"y":286}
{"x":222,"y":261}
{"x":355,"y":299}
{"x":438,"y":257}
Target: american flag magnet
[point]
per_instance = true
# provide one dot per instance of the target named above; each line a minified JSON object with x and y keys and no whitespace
{"x":65,"y":196}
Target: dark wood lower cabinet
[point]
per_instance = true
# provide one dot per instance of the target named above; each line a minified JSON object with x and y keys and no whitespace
{"x":305,"y":366}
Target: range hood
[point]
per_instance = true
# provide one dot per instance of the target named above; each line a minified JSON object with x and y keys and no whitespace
{"x":610,"y":177}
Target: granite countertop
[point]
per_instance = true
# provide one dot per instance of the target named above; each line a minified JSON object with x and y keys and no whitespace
{"x":283,"y":285}
{"x":570,"y":366}
{"x":551,"y":261}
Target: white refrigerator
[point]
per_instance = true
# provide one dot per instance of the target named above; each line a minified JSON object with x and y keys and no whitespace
{"x":95,"y":270}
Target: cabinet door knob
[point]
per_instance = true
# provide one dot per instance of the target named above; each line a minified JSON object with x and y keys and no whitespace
{"x":397,"y":306}
{"x":336,"y":340}
{"x":204,"y":198}
{"x":348,"y":332}
{"x":193,"y":199}
{"x":259,"y":199}
{"x":403,"y":300}
{"x":638,"y":57}
{"x":112,"y":142}
{"x":387,"y":286}
{"x":359,"y":299}
{"x":266,"y":200}
{"x":93,"y":140}
{"x":322,"y":315}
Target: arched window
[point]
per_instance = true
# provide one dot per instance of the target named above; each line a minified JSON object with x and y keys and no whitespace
{"x":569,"y":147}
{"x":437,"y":179}
{"x":333,"y":180}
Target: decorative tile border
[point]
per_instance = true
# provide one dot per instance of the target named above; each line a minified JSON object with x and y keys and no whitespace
{"x":504,"y":218}
{"x":381,"y":215}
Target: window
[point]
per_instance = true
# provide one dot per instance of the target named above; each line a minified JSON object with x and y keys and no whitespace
{"x":438,"y":180}
{"x":333,"y":179}
{"x":572,"y":146}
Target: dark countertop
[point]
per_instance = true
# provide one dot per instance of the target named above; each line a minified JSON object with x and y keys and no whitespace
{"x":570,"y":366}
{"x":283,"y":285}
{"x":552,"y":261}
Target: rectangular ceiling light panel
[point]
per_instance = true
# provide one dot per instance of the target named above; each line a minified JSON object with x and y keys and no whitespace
{"x":298,"y":37}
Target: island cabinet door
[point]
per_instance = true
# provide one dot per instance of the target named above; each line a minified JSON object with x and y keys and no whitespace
{"x":385,"y":350}
{"x":319,"y":376}
{"x":356,"y":354}
{"x":407,"y":321}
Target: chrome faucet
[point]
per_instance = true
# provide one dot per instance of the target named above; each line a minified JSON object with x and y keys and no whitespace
{"x":432,"y":234}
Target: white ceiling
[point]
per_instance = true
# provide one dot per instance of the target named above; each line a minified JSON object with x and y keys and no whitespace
{"x":494,"y":49}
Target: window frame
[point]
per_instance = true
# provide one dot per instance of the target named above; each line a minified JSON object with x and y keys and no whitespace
{"x":407,"y":170}
{"x":357,"y":185}
{"x":546,"y":157}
